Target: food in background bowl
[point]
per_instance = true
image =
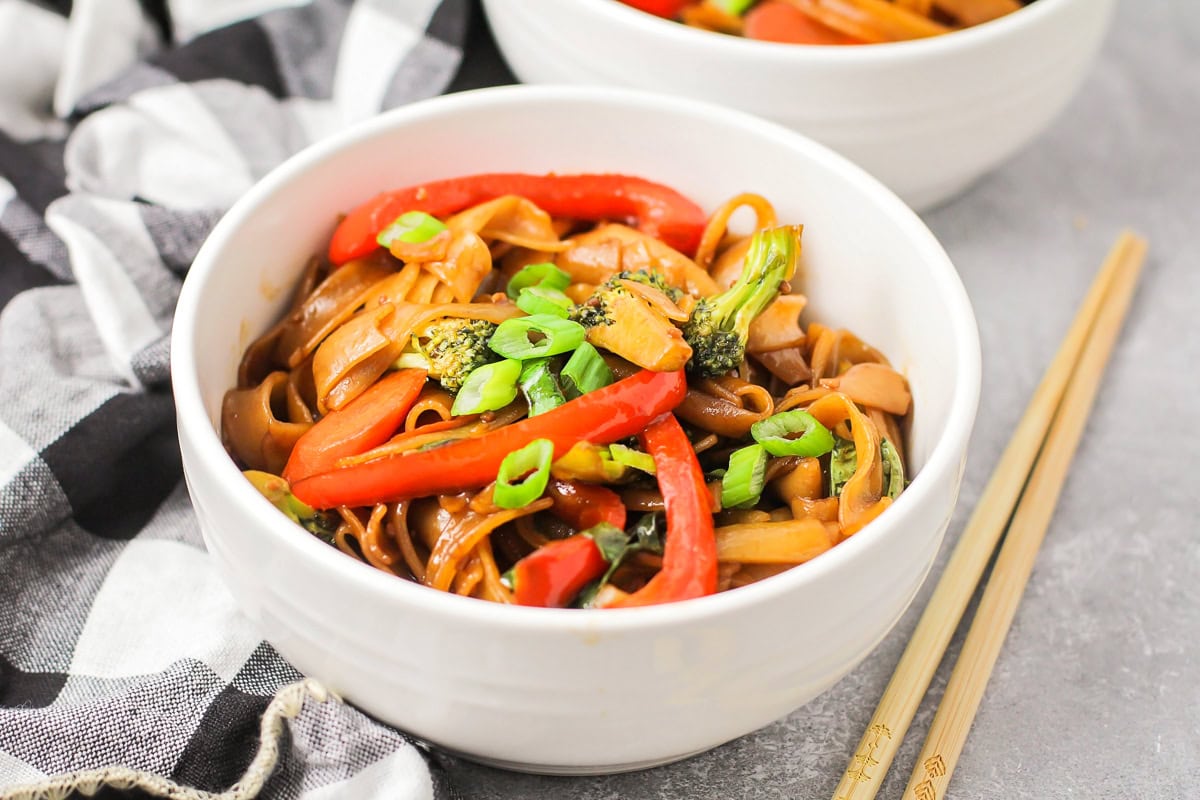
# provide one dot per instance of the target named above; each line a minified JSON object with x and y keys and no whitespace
{"x":830,"y":21}
{"x":555,"y":690}
{"x":522,"y":401}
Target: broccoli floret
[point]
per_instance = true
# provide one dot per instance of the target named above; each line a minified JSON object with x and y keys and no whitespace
{"x":720,"y":325}
{"x":455,"y":347}
{"x":650,"y":278}
{"x":594,"y":311}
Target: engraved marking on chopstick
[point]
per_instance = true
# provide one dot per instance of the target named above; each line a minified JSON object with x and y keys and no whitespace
{"x":865,"y":758}
{"x":935,"y":767}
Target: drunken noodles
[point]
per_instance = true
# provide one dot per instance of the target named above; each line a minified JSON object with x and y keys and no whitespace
{"x":567,"y":391}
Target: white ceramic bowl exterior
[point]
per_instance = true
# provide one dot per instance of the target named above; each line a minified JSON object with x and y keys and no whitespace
{"x":571,"y":691}
{"x":925,"y":117}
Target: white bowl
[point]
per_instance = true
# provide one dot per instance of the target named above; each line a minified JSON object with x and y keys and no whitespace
{"x":926,"y":117}
{"x":562,"y":690}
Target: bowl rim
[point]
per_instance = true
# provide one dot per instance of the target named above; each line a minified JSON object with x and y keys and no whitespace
{"x":782,"y":52}
{"x":944,"y":462}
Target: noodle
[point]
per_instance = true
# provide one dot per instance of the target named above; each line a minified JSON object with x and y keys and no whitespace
{"x":256,"y":426}
{"x":456,"y":542}
{"x":398,"y":524}
{"x":718,"y":224}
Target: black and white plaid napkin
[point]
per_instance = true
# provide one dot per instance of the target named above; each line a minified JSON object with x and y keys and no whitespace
{"x":126,"y":128}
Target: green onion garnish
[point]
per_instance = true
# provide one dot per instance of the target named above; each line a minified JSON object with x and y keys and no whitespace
{"x":531,"y":465}
{"x":487,"y":388}
{"x":539,"y":386}
{"x":512,"y":338}
{"x":742,"y":483}
{"x":412,"y":227}
{"x":585,"y":371}
{"x":546,"y":274}
{"x":735,"y":7}
{"x":778,"y":434}
{"x":543,"y":300}
{"x":632,"y":458}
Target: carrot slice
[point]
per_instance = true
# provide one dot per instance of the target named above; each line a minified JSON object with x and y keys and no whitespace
{"x":778,"y":21}
{"x":366,"y":421}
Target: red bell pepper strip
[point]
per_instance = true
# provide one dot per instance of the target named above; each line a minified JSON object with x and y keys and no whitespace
{"x":555,"y":573}
{"x":660,"y":8}
{"x":365,"y":422}
{"x":690,"y":554}
{"x":583,"y":505}
{"x":658,"y":210}
{"x":603,"y":416}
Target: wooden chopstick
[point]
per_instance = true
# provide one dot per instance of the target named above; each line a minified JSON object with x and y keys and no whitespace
{"x":888,"y":725}
{"x":998,"y":606}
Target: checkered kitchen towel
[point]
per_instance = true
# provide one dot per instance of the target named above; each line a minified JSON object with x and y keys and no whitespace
{"x":126,"y":128}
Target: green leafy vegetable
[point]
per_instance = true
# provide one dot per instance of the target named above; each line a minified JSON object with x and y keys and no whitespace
{"x":843,"y":460}
{"x":893,"y":469}
{"x":617,"y":545}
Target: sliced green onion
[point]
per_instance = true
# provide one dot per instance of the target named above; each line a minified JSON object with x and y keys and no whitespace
{"x":487,"y":388}
{"x":412,"y":227}
{"x":842,"y":463}
{"x":512,"y":338}
{"x":893,"y":469}
{"x":735,"y":7}
{"x":539,"y":386}
{"x":632,"y":458}
{"x":543,"y":300}
{"x":524,"y":474}
{"x":585,"y":371}
{"x":778,"y":434}
{"x":742,"y":484}
{"x":546,"y":274}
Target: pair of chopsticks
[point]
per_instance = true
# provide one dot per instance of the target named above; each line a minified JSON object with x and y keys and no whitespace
{"x":1028,"y":478}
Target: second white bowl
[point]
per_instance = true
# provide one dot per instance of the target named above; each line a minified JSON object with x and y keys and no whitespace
{"x":926,"y":117}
